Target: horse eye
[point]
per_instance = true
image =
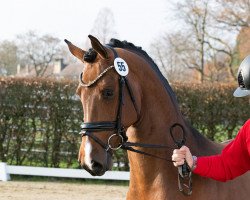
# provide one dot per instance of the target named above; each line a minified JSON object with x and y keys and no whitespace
{"x":107,"y":93}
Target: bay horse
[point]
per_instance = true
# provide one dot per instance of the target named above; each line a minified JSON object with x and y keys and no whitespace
{"x":142,"y":107}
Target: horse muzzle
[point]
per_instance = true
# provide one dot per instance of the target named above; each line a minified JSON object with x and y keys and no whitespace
{"x":96,"y":169}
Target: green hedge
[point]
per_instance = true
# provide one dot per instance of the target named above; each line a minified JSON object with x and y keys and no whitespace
{"x":212,"y":108}
{"x":40,"y":119}
{"x":39,"y":122}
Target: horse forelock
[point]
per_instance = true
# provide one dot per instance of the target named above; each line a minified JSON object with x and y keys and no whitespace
{"x":90,"y":55}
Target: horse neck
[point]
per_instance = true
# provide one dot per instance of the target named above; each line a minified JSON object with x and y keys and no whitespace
{"x":159,"y":111}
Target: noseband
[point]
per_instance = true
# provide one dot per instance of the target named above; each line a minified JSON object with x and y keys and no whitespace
{"x":87,"y":129}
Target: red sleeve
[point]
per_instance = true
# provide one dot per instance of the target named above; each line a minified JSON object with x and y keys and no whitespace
{"x":232,"y":162}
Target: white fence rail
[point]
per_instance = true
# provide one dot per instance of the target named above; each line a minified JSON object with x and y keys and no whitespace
{"x":7,"y":170}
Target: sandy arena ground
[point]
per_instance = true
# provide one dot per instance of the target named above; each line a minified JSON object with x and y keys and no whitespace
{"x":18,"y":190}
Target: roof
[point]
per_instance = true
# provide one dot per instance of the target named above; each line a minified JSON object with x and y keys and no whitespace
{"x":72,"y":71}
{"x":27,"y":72}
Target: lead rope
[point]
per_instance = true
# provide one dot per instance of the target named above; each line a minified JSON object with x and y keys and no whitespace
{"x":184,"y":172}
{"x":185,"y":183}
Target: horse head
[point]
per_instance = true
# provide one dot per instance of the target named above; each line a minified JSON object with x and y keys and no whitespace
{"x":105,"y":113}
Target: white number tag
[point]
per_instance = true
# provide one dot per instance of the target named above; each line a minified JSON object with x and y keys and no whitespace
{"x":121,"y":66}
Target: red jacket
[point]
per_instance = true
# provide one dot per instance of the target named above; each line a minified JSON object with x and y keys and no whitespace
{"x":232,"y":162}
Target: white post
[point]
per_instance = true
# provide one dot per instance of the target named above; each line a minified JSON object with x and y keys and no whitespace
{"x":4,"y":176}
{"x":18,"y":69}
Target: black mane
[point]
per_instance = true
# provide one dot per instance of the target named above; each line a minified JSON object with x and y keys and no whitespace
{"x":130,"y":46}
{"x":139,"y":51}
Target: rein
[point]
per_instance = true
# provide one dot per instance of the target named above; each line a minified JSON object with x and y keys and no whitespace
{"x":87,"y":129}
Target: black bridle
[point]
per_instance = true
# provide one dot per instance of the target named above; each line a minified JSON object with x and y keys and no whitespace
{"x":116,"y":126}
{"x":87,"y":129}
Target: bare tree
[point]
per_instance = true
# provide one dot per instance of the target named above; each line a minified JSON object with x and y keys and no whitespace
{"x":202,"y":39}
{"x":195,"y":14}
{"x":104,"y":25}
{"x":8,"y":57}
{"x":38,"y":51}
{"x":221,"y":46}
{"x":233,"y":14}
{"x":230,"y":18}
{"x":213,"y":38}
{"x":170,"y":53}
{"x":159,"y":49}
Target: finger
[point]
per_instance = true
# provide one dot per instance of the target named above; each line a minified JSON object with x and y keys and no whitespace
{"x":176,"y":157}
{"x":179,"y":151}
{"x":176,"y":151}
{"x":179,"y":160}
{"x":184,"y":148}
{"x":179,"y":163}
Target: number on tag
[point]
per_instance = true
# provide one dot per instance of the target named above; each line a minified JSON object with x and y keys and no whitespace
{"x":121,"y":66}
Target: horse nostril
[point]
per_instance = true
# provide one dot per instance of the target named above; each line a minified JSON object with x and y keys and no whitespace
{"x":96,"y":166}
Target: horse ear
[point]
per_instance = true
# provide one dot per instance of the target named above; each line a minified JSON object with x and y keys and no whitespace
{"x":98,"y":47}
{"x":76,"y":51}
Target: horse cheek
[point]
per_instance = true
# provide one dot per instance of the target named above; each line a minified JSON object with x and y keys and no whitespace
{"x":81,"y":154}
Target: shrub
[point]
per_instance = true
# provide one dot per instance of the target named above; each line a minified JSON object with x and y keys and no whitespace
{"x":39,"y":122}
{"x":212,"y":109}
{"x":40,"y":119}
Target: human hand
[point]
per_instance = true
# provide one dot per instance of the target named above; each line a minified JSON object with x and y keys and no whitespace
{"x":180,"y":155}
